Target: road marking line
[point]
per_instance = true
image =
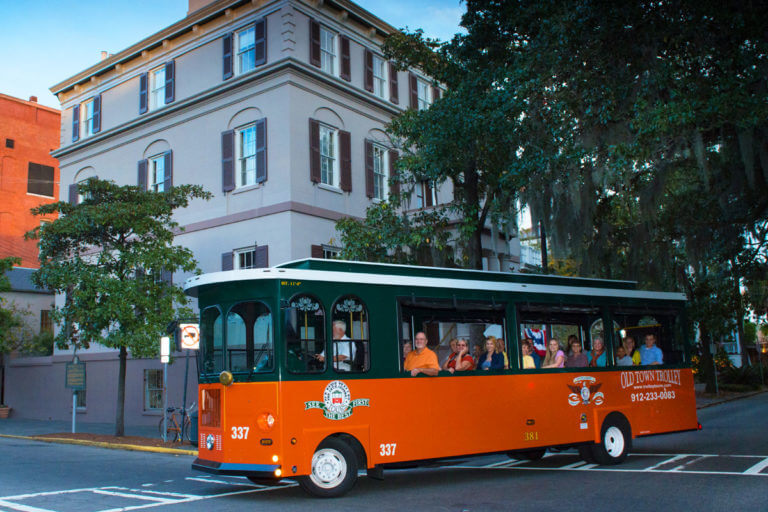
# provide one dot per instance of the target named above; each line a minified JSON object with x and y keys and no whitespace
{"x":47,"y":493}
{"x":575,"y":465}
{"x":672,"y":459}
{"x":757,"y":468}
{"x":588,"y":466}
{"x":22,"y":508}
{"x":134,"y":496}
{"x":209,"y":480}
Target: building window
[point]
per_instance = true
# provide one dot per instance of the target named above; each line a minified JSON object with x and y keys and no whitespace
{"x":331,"y":253}
{"x":379,"y":172}
{"x":40,"y":180}
{"x":153,"y":390}
{"x":426,"y":194}
{"x":327,"y":51}
{"x":157,"y":173}
{"x":80,"y":402}
{"x":9,"y":143}
{"x":246,"y":156}
{"x":329,"y":163}
{"x":245,"y":258}
{"x":87,"y":118}
{"x":157,"y":87}
{"x":423,"y":93}
{"x":45,"y":321}
{"x":245,"y":48}
{"x":379,"y":77}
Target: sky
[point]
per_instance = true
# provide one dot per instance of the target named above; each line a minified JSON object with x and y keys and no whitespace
{"x":44,"y":42}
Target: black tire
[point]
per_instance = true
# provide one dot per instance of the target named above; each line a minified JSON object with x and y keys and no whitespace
{"x":536,"y":454}
{"x":615,"y":441}
{"x":586,"y":453}
{"x":333,"y":470}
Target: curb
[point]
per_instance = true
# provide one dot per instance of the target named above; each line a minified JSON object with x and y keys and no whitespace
{"x":111,"y":446}
{"x":731,"y":399}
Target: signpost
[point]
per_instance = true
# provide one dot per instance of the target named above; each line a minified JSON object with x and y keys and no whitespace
{"x":165,"y":356}
{"x":75,"y":380}
{"x":189,"y":335}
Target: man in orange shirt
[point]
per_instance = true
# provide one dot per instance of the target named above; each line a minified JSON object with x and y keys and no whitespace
{"x":421,"y":359}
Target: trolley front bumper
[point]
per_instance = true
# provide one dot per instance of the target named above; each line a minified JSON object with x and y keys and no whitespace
{"x":225,"y":468}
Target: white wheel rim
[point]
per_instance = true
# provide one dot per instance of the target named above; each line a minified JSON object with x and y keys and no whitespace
{"x":329,"y":468}
{"x":614,"y":441}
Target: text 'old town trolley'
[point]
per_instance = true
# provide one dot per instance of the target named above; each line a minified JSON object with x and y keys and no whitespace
{"x":303,"y":368}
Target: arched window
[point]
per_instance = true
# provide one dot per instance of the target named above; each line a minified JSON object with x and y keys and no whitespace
{"x":211,"y":336}
{"x":249,"y":338}
{"x":349,"y":330}
{"x":305,"y":334}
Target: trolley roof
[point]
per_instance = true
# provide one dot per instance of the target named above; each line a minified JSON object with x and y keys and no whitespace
{"x":313,"y":269}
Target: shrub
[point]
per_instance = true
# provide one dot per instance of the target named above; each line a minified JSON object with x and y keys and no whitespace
{"x":748,"y":376}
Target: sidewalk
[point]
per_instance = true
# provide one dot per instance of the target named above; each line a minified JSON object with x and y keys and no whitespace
{"x":137,"y":437}
{"x":704,"y":400}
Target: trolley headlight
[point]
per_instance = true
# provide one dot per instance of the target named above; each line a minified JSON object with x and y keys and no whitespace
{"x":226,"y":378}
{"x":210,"y":442}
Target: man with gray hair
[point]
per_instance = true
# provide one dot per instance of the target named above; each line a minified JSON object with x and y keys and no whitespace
{"x":343,"y":351}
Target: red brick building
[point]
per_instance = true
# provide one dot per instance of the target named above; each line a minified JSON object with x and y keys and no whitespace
{"x":29,"y":175}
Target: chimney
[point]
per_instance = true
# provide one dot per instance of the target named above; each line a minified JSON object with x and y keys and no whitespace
{"x":104,"y":55}
{"x":33,"y":99}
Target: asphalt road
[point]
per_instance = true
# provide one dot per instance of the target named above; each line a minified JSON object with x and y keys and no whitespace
{"x":722,"y":467}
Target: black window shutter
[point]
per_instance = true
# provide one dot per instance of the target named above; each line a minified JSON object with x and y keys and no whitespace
{"x":368,"y":82}
{"x":314,"y":43}
{"x":142,"y":174}
{"x":75,"y":123}
{"x":414,"y":89}
{"x":346,"y":65}
{"x":260,"y":47}
{"x":369,"y":168}
{"x":168,"y":166}
{"x":261,"y":256}
{"x":435,"y":93}
{"x":170,"y":81}
{"x":228,"y":160}
{"x":143,"y":88}
{"x":314,"y":151}
{"x":227,"y":60}
{"x":261,"y":150}
{"x":227,"y":261}
{"x":73,"y":194}
{"x":317,"y":251}
{"x":345,"y":154}
{"x":97,"y":113}
{"x":394,"y":185}
{"x":393,"y":92}
{"x":166,"y":276}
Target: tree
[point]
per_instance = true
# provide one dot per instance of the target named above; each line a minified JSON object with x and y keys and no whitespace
{"x":9,"y":321}
{"x":111,"y":257}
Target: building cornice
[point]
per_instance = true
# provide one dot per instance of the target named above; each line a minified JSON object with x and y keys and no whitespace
{"x":205,"y":15}
{"x":30,"y":103}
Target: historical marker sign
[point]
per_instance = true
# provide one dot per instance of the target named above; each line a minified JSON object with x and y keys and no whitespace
{"x":75,"y":378}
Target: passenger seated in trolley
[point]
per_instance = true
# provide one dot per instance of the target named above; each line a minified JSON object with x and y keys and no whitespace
{"x":490,"y":359}
{"x":452,"y":355}
{"x":650,"y":353}
{"x":576,"y":359}
{"x":460,"y":360}
{"x":631,"y":351}
{"x":421,"y":359}
{"x":555,"y":357}
{"x":597,"y":355}
{"x":528,"y":362}
{"x":622,"y":359}
{"x":344,"y":353}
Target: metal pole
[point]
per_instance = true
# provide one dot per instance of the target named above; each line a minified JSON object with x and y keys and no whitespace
{"x":165,"y":402}
{"x":74,"y":408}
{"x":714,"y":367}
{"x":184,"y":400}
{"x":543,"y":234}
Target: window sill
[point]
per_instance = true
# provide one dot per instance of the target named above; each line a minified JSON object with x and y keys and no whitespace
{"x":40,"y":195}
{"x":157,"y":412}
{"x":247,"y":188}
{"x":330,"y":188}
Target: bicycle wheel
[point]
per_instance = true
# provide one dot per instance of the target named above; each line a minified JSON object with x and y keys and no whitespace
{"x":186,"y":429}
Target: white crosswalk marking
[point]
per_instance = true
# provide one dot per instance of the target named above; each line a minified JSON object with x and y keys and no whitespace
{"x":757,"y":468}
{"x":22,"y":508}
{"x":134,"y":496}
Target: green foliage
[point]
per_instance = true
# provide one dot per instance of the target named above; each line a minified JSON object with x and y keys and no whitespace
{"x":9,"y":317}
{"x":107,"y":254}
{"x":746,"y":376}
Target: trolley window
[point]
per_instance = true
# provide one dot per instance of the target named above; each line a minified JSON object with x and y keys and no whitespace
{"x":305,"y":334}
{"x":249,"y":338}
{"x":349,"y":331}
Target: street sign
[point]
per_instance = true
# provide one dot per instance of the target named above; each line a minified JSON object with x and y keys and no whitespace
{"x":190,"y":336}
{"x":75,"y":376}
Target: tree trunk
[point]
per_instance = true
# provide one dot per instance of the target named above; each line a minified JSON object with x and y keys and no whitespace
{"x":2,"y":378}
{"x":740,"y":324}
{"x":472,"y":195}
{"x":707,"y":361}
{"x":120,"y":415}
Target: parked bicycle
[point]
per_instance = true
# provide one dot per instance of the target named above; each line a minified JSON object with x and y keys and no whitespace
{"x":178,"y":427}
